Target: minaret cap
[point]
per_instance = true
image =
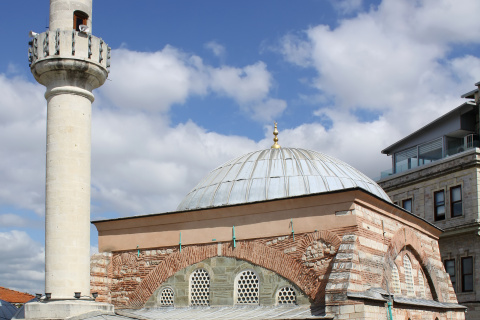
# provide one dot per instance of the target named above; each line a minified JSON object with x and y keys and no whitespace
{"x":275,"y":139}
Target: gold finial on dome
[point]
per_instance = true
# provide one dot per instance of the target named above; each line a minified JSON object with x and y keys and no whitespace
{"x":275,"y":139}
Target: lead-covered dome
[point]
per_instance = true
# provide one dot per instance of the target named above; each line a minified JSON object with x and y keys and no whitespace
{"x":273,"y":174}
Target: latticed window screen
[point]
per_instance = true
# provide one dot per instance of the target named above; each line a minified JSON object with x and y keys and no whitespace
{"x":200,"y":288}
{"x":165,"y":299}
{"x":286,"y":295}
{"x":395,"y":280}
{"x":247,"y":287}
{"x":421,"y":283}
{"x":408,"y":276}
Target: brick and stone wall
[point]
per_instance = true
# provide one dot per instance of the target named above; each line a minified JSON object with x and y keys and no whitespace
{"x":461,"y":237}
{"x":324,"y":267}
{"x":222,"y":275}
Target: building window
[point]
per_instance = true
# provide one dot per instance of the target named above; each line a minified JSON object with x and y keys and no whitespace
{"x":456,"y":201}
{"x":165,"y":299}
{"x":395,"y":280}
{"x":430,"y":151}
{"x":247,"y":287}
{"x":406,"y":159}
{"x":421,"y":283}
{"x":286,"y":295}
{"x":407,"y":265}
{"x":200,"y":288}
{"x":407,"y":204}
{"x":79,"y":18}
{"x":439,"y":199}
{"x":467,"y":274}
{"x":450,"y":268}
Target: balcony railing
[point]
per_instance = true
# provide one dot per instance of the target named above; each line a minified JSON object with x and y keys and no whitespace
{"x":69,"y":44}
{"x":415,"y":160}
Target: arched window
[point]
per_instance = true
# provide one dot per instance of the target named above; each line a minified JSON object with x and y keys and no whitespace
{"x":79,"y":18}
{"x":200,"y":288}
{"x":165,"y":298}
{"x":247,"y":287}
{"x":286,"y":295}
{"x":407,"y":265}
{"x":395,"y":280}
{"x":421,"y":283}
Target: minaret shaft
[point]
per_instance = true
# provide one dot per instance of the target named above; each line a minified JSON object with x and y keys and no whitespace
{"x":67,"y":222}
{"x":62,"y":12}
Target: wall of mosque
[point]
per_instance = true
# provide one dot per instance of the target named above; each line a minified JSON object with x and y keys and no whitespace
{"x":327,"y":268}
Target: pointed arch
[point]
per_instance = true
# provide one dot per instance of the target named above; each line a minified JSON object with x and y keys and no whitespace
{"x":407,"y":239}
{"x":253,"y":252}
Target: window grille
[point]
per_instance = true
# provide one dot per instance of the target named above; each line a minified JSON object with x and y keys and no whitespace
{"x":396,"y":280}
{"x":200,"y":288}
{"x":421,"y":283}
{"x":286,"y":295}
{"x":247,"y":287}
{"x":165,"y":299}
{"x":408,"y":276}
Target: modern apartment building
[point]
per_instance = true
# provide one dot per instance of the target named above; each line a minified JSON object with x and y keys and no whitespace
{"x":435,"y":174}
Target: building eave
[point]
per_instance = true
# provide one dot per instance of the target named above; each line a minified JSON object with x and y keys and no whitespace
{"x":457,"y":110}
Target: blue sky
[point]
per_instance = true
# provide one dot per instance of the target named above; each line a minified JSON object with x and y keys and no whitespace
{"x":196,"y":83}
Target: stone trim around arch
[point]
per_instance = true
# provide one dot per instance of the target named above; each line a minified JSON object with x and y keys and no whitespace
{"x":251,"y":251}
{"x":406,"y":238}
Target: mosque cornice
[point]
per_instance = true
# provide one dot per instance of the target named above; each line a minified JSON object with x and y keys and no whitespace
{"x":271,"y":218}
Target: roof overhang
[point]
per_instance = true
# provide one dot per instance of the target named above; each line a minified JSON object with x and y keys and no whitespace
{"x":455,"y":112}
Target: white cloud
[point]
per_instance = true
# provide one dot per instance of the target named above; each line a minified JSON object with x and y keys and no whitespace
{"x":141,"y":165}
{"x":9,"y":220}
{"x":23,"y":262}
{"x":393,"y":60}
{"x":269,"y":110}
{"x":347,"y":6}
{"x":247,"y":84}
{"x":216,"y":48}
{"x":154,"y":82}
{"x":22,"y":141}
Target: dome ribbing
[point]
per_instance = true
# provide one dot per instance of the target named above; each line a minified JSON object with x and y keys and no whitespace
{"x":273,"y":174}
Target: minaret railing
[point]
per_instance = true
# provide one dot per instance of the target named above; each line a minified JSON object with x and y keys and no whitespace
{"x":67,"y":44}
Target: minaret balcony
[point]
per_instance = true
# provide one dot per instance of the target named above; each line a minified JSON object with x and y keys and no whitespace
{"x":69,"y":44}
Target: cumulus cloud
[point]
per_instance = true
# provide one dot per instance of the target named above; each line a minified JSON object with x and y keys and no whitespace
{"x":22,"y":141}
{"x":9,"y":220}
{"x":154,"y":82}
{"x":150,"y":166}
{"x":346,"y":6}
{"x":23,"y":262}
{"x":393,"y":61}
{"x":216,"y":48}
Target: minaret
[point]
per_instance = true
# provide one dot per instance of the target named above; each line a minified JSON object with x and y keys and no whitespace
{"x":70,"y":62}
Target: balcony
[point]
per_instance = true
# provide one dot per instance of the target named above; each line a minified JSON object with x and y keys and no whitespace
{"x":431,"y":151}
{"x":69,"y":44}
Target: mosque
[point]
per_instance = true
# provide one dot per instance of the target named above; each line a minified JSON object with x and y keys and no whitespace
{"x":284,"y":232}
{"x":280,"y":233}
